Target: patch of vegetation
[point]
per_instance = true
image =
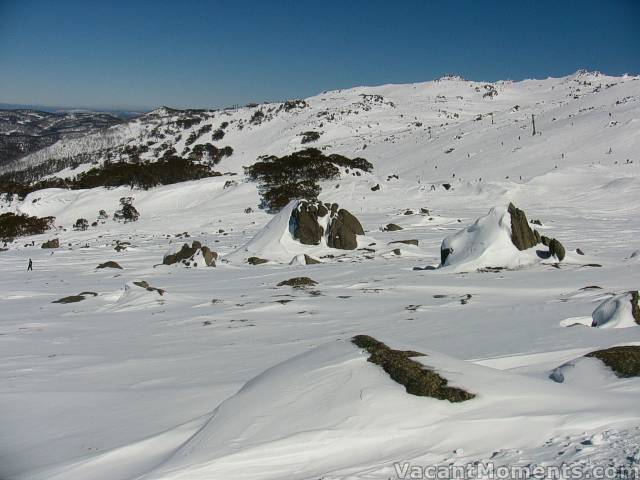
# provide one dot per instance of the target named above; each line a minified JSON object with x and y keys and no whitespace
{"x":624,"y":361}
{"x":257,"y":117}
{"x":298,"y":282}
{"x":188,"y":122}
{"x":210,"y":153}
{"x":297,"y":175}
{"x":12,"y":225}
{"x":416,"y":378}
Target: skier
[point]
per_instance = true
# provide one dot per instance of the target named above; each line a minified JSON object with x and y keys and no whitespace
{"x":30,"y":267}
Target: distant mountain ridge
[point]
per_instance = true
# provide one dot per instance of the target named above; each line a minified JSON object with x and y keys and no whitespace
{"x":23,"y":131}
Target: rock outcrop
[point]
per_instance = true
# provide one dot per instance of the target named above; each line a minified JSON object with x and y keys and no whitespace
{"x":309,"y":220}
{"x":54,"y":243}
{"x":192,"y":255}
{"x":343,"y":231}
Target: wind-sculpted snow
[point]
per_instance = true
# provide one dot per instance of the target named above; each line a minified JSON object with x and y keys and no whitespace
{"x":233,"y":373}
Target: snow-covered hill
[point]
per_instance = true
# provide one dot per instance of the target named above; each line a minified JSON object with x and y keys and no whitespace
{"x":225,"y":373}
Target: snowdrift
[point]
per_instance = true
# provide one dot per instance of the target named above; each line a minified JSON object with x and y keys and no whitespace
{"x":330,"y":408}
{"x":620,"y":311}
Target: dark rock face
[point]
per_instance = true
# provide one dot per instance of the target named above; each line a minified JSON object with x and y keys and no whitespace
{"x":392,"y":227}
{"x":102,"y":215}
{"x":310,"y":260}
{"x":375,"y":188}
{"x":343,"y":230}
{"x":256,"y":261}
{"x":635,"y":306}
{"x":522,"y":235}
{"x":54,"y":243}
{"x":307,"y":230}
{"x":624,"y":361}
{"x":444,"y":254}
{"x":556,"y":249}
{"x":342,"y":226}
{"x":110,"y":264}
{"x":186,"y":253}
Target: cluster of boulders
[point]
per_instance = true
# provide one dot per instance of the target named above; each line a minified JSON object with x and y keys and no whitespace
{"x":188,"y":255}
{"x":311,"y":221}
{"x":127,"y":212}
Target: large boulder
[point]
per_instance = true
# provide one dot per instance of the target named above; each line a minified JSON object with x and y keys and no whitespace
{"x":307,"y":221}
{"x":306,"y":228}
{"x":343,"y":231}
{"x":522,"y":236}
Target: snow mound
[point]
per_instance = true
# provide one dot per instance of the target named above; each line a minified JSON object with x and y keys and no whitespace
{"x":276,"y":242}
{"x":584,"y":372}
{"x":617,"y":312}
{"x":486,"y":243}
{"x":330,"y":409}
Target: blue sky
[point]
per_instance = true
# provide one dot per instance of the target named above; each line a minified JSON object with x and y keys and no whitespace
{"x":134,"y":54}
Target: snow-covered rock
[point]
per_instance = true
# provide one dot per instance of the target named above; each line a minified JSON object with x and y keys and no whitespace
{"x":277,"y":240}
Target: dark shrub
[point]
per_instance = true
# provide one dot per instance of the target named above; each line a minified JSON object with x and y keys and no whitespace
{"x":166,"y":171}
{"x":296,"y":175}
{"x":12,"y":225}
{"x":256,"y":118}
{"x":217,"y":135}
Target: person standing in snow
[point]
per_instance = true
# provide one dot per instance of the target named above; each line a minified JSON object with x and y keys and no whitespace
{"x":30,"y":267}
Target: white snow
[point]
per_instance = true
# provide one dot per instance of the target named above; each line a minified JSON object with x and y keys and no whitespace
{"x":487,"y":243}
{"x":615,"y":312}
{"x":226,"y":375}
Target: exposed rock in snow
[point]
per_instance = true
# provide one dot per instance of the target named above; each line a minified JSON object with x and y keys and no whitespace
{"x":301,"y":221}
{"x":493,"y":241}
{"x":109,"y":264}
{"x":194,"y":255}
{"x":620,"y":311}
{"x":53,"y":243}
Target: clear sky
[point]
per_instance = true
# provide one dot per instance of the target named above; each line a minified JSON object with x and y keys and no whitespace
{"x":189,"y":53}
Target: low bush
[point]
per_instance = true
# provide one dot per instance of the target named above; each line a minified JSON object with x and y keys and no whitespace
{"x":12,"y":226}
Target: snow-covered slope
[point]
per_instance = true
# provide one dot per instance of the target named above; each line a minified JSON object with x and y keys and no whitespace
{"x":226,"y":374}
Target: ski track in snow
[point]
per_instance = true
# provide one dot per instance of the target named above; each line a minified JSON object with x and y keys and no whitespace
{"x":227,"y":374}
